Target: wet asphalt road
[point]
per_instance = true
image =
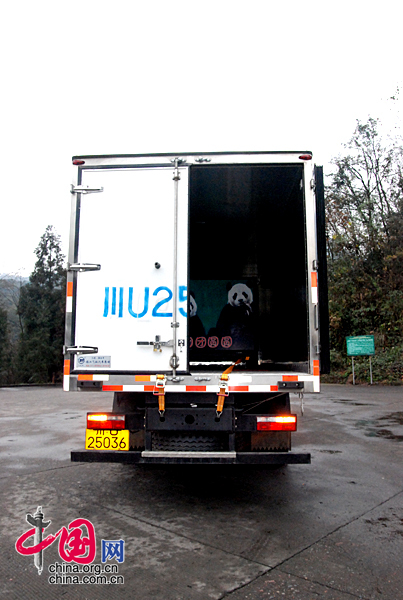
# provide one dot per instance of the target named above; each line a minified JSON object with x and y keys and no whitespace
{"x":332,"y":529}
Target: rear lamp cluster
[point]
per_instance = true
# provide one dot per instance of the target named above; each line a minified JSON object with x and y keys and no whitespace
{"x":105,"y":421}
{"x":277,"y":423}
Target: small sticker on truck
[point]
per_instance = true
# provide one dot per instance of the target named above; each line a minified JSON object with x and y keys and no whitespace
{"x":93,"y":361}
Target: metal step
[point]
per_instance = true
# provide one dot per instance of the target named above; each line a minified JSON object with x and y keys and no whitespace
{"x":183,"y":454}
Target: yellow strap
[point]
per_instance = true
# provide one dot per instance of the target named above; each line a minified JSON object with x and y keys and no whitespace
{"x":159,"y":390}
{"x":229,"y":370}
{"x":220,"y":403}
{"x":222,"y":391}
{"x":161,"y":402}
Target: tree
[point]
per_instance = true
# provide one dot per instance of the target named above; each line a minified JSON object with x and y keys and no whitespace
{"x":5,"y":353}
{"x":41,"y":309}
{"x":365,"y":191}
{"x":364,"y":204}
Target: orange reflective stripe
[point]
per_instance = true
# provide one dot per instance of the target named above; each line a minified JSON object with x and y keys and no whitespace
{"x":85,"y":378}
{"x":112,"y":388}
{"x":290,"y":377}
{"x":69,"y":288}
{"x":314,"y":279}
{"x":316,"y":368}
{"x":66,"y":369}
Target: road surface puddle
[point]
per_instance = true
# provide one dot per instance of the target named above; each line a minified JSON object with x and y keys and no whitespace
{"x":389,"y":427}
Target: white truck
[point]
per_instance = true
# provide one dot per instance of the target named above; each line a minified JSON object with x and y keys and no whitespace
{"x":196,"y":287}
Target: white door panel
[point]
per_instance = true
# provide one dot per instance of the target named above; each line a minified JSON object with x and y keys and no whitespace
{"x":128,"y":229}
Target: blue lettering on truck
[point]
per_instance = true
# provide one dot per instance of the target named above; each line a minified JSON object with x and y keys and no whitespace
{"x":130,"y":305}
{"x":114,"y":302}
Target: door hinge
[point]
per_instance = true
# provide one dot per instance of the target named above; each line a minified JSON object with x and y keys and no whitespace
{"x":85,"y":189}
{"x":315,"y":317}
{"x":83,"y":267}
{"x":80,"y":350}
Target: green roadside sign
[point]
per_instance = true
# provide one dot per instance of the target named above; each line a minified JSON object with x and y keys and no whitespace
{"x":360,"y":345}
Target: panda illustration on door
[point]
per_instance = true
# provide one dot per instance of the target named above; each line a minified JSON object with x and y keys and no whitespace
{"x":237,"y":319}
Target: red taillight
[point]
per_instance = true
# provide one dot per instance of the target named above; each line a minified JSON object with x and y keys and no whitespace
{"x":105,"y":421}
{"x":305,"y":157}
{"x":78,"y":162}
{"x":277,"y":423}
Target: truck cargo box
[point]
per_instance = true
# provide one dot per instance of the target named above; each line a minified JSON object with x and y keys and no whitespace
{"x":180,"y":266}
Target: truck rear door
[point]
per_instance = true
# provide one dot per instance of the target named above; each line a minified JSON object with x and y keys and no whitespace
{"x":136,"y":230}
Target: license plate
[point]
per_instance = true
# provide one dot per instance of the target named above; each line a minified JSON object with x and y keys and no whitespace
{"x":107,"y":439}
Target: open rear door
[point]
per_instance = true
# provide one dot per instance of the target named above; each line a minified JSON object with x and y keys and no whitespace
{"x":136,"y":229}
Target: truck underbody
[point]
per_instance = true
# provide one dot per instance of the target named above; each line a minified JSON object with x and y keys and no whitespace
{"x":251,"y":428}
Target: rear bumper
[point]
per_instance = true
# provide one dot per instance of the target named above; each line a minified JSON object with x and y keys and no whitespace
{"x":154,"y":457}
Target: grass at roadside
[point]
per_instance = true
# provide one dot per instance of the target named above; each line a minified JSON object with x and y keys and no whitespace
{"x":387,"y":367}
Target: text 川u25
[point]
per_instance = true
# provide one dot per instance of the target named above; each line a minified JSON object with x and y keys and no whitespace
{"x":118,"y":302}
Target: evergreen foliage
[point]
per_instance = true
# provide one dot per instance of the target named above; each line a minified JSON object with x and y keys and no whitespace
{"x":42,"y":309}
{"x":5,"y":348}
{"x":364,"y":210}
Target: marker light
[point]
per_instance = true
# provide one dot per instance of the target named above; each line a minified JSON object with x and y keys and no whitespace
{"x":105,"y":421}
{"x":79,"y":162}
{"x":305,"y":157}
{"x":277,"y":423}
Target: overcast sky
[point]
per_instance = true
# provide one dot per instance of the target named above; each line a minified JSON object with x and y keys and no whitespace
{"x":96,"y":77}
